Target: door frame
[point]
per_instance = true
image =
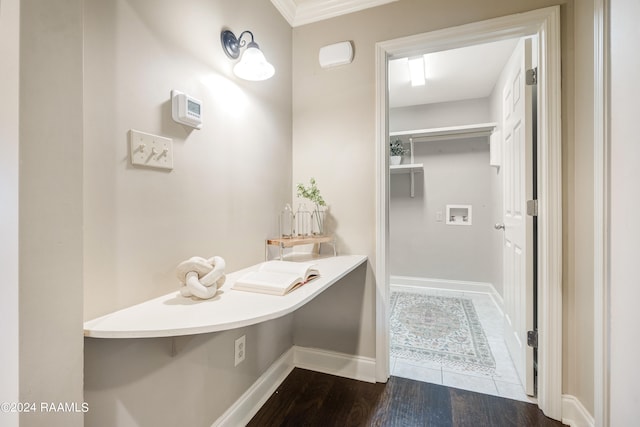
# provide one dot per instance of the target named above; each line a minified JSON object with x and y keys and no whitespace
{"x":601,"y":285}
{"x":546,"y":24}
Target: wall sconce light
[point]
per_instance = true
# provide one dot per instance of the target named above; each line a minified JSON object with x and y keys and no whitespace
{"x":253,"y":65}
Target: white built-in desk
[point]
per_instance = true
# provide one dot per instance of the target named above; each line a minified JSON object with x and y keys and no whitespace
{"x":174,"y":315}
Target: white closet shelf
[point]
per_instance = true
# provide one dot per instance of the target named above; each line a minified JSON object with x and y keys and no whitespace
{"x":406,"y":168}
{"x":465,"y":131}
{"x":440,"y":134}
{"x":174,"y":315}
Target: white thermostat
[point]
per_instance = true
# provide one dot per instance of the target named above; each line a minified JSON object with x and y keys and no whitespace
{"x":186,"y":109}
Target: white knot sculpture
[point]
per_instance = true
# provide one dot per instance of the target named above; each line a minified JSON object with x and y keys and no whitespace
{"x":201,"y":277}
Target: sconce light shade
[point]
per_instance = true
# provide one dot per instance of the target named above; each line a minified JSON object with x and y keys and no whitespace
{"x":252,"y":65}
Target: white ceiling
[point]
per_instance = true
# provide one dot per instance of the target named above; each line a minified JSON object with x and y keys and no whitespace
{"x":300,"y":12}
{"x":451,"y":75}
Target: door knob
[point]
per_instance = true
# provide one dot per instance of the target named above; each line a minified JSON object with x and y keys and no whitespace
{"x":499,"y":226}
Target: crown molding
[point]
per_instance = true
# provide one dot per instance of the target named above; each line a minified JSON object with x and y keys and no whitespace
{"x":301,"y":12}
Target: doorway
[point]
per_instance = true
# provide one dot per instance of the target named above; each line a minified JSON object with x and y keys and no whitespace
{"x":446,"y":256}
{"x":545,"y":24}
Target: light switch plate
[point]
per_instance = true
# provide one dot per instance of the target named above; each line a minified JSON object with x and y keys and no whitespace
{"x":151,"y":151}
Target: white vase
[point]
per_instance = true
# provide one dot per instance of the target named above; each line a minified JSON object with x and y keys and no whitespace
{"x":395,"y":160}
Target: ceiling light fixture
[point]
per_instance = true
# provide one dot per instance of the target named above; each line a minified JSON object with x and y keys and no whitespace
{"x":253,"y":65}
{"x":416,"y":71}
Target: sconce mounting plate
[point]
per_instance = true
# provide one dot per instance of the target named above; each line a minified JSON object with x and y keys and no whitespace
{"x":230,"y":44}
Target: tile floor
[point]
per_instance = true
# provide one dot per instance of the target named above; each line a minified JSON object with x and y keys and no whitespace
{"x":504,"y":382}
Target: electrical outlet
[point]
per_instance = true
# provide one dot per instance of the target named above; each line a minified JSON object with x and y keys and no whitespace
{"x":151,"y":151}
{"x":240,"y":350}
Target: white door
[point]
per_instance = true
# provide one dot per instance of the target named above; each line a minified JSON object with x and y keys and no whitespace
{"x":518,"y":226}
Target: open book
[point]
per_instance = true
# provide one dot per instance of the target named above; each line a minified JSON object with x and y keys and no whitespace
{"x":277,"y":277}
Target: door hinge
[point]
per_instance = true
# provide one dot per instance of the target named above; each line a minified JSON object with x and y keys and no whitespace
{"x":532,"y":339}
{"x":532,"y":207}
{"x":532,"y":76}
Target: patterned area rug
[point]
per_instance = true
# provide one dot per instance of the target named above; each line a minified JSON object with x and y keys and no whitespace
{"x":441,"y":329}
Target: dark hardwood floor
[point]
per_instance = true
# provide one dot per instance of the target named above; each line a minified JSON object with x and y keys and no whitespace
{"x":308,"y":398}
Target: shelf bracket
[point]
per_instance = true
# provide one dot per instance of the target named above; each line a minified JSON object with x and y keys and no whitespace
{"x":413,"y":182}
{"x":411,"y":148}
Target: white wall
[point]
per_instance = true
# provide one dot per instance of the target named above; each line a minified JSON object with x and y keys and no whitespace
{"x":51,"y":342}
{"x":326,"y":324}
{"x":456,"y":172}
{"x":9,"y":102}
{"x":230,"y":180}
{"x":624,"y":208}
{"x":578,"y":197}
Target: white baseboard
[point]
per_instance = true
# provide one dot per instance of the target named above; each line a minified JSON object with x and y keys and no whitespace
{"x":241,"y":412}
{"x":449,"y":285}
{"x":340,"y":364}
{"x":574,"y":414}
{"x":328,"y":362}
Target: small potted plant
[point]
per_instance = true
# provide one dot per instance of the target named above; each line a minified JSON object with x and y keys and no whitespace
{"x":396,"y":151}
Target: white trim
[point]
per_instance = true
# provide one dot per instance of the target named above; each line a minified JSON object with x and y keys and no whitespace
{"x":247,"y":405}
{"x":448,"y":285}
{"x":9,"y":208}
{"x":546,"y":24}
{"x":574,"y":414}
{"x":287,"y":9}
{"x":600,"y":217}
{"x":506,"y":27}
{"x":328,"y":362}
{"x":305,"y":12}
{"x":550,"y":220}
{"x":340,"y":364}
{"x":382,"y":215}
